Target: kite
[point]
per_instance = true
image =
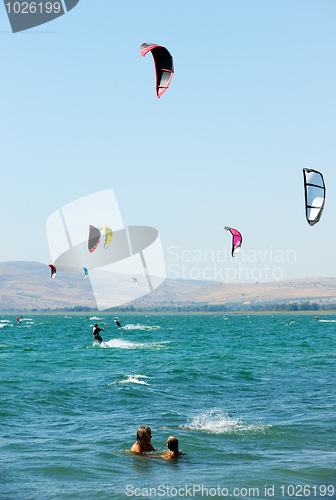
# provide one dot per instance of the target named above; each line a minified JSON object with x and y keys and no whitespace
{"x":315,"y":192}
{"x":94,"y":238}
{"x":236,"y":240}
{"x":85,"y":273}
{"x":53,"y":271}
{"x":164,"y":67}
{"x":107,"y":234}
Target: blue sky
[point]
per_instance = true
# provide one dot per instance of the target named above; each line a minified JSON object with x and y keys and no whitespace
{"x":251,"y":103}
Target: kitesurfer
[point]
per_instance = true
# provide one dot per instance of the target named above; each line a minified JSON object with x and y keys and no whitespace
{"x":95,"y":332}
{"x":117,"y":323}
{"x":18,"y":320}
{"x":172,"y":445}
{"x":316,"y":317}
{"x":142,"y":444}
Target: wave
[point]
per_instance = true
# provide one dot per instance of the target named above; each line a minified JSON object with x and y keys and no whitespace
{"x":141,"y":327}
{"x":127,"y":344}
{"x":216,"y":421}
{"x":132,"y":379}
{"x":131,"y":326}
{"x":327,"y":321}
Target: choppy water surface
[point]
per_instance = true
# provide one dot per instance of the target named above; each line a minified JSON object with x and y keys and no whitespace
{"x":250,"y":398}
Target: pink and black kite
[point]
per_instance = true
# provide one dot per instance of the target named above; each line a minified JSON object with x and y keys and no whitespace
{"x":164,"y":66}
{"x":236,"y":240}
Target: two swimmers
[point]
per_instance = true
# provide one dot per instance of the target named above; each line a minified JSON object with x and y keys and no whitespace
{"x":143,"y":444}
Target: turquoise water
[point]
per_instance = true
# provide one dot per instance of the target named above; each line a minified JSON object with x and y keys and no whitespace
{"x":250,"y":398}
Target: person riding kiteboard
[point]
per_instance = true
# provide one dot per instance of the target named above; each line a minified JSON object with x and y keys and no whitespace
{"x":117,"y":323}
{"x":95,"y":333}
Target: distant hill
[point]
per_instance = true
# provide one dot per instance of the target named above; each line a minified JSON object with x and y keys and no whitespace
{"x":27,"y":286}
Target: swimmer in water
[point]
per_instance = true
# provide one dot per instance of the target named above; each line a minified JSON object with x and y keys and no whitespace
{"x":143,"y":444}
{"x":172,"y":445}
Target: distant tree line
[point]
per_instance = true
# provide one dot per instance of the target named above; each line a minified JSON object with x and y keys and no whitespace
{"x":180,"y":307}
{"x":194,"y":307}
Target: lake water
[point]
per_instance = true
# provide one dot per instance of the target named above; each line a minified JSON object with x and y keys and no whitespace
{"x":251,"y":400}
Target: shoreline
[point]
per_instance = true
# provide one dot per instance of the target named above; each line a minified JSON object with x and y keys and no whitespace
{"x":169,"y":313}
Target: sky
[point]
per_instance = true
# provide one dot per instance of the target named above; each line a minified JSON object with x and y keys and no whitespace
{"x":251,"y":103}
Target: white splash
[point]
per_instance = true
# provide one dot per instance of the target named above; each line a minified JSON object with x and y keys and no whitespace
{"x":132,"y":379}
{"x":217,"y":421}
{"x":127,"y":344}
{"x":121,"y":344}
{"x":141,"y":327}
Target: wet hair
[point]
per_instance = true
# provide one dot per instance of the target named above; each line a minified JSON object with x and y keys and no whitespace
{"x":172,"y":444}
{"x":143,"y":431}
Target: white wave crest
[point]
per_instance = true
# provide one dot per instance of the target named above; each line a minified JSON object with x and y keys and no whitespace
{"x":127,"y":344}
{"x":132,"y":379}
{"x":141,"y":327}
{"x":217,"y":421}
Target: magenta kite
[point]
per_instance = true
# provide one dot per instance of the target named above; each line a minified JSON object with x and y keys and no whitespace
{"x":237,"y":240}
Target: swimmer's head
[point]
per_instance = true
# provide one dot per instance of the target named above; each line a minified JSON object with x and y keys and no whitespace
{"x":172,"y":444}
{"x":144,"y":432}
